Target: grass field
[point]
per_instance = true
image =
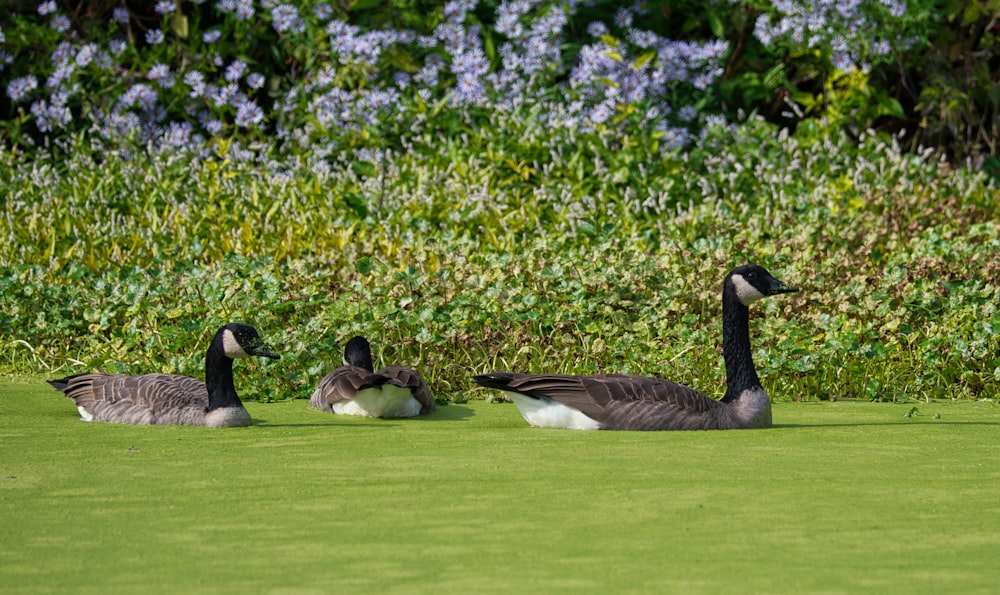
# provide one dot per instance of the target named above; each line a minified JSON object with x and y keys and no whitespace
{"x":839,"y":497}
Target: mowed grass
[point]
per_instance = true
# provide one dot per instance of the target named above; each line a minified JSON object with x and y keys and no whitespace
{"x":839,"y":497}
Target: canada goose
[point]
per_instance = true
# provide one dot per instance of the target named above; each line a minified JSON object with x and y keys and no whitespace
{"x":356,"y":389}
{"x":621,"y":402}
{"x":171,"y":399}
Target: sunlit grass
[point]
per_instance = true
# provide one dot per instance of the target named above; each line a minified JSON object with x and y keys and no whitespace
{"x":844,"y":497}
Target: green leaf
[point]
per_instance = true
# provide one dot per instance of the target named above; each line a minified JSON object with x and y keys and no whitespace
{"x":179,"y":25}
{"x":364,"y":168}
{"x":643,"y":59}
{"x":889,"y":106}
{"x":357,"y":203}
{"x":715,"y":23}
{"x":364,"y":4}
{"x":364,"y":266}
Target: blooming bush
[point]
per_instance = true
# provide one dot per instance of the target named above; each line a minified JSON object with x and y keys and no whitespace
{"x":316,"y":77}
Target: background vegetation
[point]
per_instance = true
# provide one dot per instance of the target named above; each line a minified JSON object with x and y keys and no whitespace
{"x":523,"y":185}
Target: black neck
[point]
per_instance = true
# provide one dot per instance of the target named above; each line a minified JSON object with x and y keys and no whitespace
{"x":219,"y":377}
{"x":740,"y":372}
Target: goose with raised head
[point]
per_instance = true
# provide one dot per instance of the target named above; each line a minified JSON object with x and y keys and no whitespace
{"x":356,"y":388}
{"x":172,"y":399}
{"x":623,"y":402}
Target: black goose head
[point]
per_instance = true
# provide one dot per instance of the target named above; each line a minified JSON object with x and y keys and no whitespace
{"x":752,"y":282}
{"x":242,"y":340}
{"x":359,"y":353}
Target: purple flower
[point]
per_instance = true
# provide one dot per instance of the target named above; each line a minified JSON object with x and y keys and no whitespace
{"x":61,"y":74}
{"x":40,"y":109}
{"x":61,"y":23}
{"x":195,"y":80}
{"x":255,"y":80}
{"x":285,"y":17}
{"x":210,"y":124}
{"x":322,"y":11}
{"x":235,"y":70}
{"x":842,"y":61}
{"x":226,"y":94}
{"x":248,"y":114}
{"x":597,"y":29}
{"x":86,"y":54}
{"x":47,"y":7}
{"x":343,"y":45}
{"x":165,"y":6}
{"x":337,"y":28}
{"x":896,"y":8}
{"x":687,"y":113}
{"x":158,"y":71}
{"x":154,"y":37}
{"x":19,"y":88}
{"x":674,"y":138}
{"x":402,"y":80}
{"x":121,"y":15}
{"x":211,"y":36}
{"x":623,"y":18}
{"x":245,"y":10}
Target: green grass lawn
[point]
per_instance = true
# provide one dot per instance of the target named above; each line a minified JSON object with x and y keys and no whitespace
{"x":838,"y":497}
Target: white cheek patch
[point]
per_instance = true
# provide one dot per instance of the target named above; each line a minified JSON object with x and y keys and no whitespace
{"x":231,"y":346}
{"x":747,"y":293}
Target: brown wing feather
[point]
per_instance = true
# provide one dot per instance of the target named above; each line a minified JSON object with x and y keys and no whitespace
{"x":410,"y":379}
{"x":340,"y":385}
{"x":144,"y":400}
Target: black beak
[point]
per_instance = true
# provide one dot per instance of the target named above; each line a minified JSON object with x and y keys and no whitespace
{"x":777,"y":287}
{"x":261,"y":349}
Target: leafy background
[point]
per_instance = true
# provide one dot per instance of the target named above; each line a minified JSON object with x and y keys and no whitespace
{"x":469,"y":236}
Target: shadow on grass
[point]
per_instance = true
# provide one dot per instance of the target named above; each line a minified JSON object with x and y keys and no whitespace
{"x":930,"y":422}
{"x":441,"y":413}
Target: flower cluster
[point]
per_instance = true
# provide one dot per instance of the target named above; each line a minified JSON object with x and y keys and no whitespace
{"x":349,"y":84}
{"x":852,"y":31}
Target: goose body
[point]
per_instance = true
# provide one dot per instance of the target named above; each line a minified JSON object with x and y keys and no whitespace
{"x":624,"y":402}
{"x":171,"y":399}
{"x":356,"y":388}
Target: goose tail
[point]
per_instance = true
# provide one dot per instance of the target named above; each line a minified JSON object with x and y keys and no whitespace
{"x":62,"y":384}
{"x":498,"y":380}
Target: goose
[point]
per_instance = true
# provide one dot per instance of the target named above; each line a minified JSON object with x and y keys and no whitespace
{"x":623,"y":402}
{"x":356,"y":388}
{"x":172,"y":399}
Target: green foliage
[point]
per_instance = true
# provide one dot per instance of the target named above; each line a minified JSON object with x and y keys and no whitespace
{"x":511,"y":248}
{"x":958,"y":102}
{"x":927,"y":70}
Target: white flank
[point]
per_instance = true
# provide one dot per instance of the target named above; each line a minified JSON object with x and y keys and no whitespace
{"x":231,"y":346}
{"x":84,"y":414}
{"x":546,"y":413}
{"x":747,"y":293}
{"x":225,"y":417}
{"x":385,"y":401}
{"x":753,"y":407}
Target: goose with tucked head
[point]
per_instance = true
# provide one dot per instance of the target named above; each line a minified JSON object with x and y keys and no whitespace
{"x":623,"y":402}
{"x":356,"y":388}
{"x":172,"y":399}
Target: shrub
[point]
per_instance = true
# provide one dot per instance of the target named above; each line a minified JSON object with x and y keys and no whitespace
{"x":327,"y":79}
